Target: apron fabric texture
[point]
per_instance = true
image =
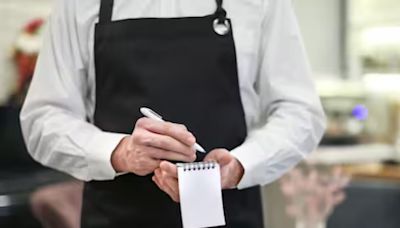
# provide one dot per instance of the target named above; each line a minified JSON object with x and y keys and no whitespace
{"x":183,"y":69}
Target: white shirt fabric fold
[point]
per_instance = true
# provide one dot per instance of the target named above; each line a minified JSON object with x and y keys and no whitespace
{"x":283,"y":113}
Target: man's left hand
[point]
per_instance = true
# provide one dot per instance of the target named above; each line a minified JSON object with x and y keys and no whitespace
{"x":166,"y":176}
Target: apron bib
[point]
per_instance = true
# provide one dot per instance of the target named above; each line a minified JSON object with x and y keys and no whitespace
{"x":186,"y":69}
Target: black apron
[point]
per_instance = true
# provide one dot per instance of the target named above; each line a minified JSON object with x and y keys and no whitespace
{"x":184,"y":70}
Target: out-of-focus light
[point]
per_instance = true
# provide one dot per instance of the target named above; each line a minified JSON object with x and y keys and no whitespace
{"x":5,"y":201}
{"x":382,"y":83}
{"x":381,"y":36}
{"x":360,"y":112}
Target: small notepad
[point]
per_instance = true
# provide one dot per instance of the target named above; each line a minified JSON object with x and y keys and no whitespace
{"x":200,"y":195}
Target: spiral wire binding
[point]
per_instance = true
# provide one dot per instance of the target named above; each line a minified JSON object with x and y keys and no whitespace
{"x":197,"y":166}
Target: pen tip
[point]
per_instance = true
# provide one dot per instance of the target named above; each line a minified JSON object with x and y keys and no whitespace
{"x":199,"y":148}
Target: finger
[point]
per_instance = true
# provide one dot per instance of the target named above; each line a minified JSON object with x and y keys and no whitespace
{"x":155,"y":180}
{"x":171,"y":194}
{"x":170,"y":169}
{"x":164,"y":142}
{"x":161,"y":154}
{"x":165,"y":185}
{"x":173,"y":186}
{"x":170,"y":182}
{"x":177,"y":131}
{"x":221,"y":156}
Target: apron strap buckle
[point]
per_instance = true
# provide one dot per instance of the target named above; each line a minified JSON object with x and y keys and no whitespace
{"x":221,"y":28}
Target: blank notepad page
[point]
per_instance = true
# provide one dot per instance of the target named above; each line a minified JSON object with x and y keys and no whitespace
{"x":201,"y":195}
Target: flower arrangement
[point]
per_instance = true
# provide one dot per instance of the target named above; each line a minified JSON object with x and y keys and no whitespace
{"x":25,"y":55}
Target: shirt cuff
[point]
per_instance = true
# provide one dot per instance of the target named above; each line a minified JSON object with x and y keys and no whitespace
{"x":252,"y":157}
{"x":100,"y":149}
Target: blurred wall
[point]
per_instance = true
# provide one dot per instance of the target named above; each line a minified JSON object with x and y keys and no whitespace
{"x":320,"y":23}
{"x":14,"y":14}
{"x":374,"y":12}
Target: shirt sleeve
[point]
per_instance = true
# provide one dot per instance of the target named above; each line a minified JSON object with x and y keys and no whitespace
{"x":54,"y":117}
{"x":292,"y":120}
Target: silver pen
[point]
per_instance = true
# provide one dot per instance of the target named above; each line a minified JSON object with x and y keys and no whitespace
{"x":153,"y":115}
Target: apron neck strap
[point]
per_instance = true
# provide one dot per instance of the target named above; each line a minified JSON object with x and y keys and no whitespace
{"x":220,"y":13}
{"x":106,"y":11}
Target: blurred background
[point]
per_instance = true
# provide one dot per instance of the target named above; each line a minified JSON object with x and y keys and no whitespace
{"x":351,"y":181}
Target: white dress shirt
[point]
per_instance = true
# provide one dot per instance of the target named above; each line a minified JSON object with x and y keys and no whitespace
{"x":283,"y":113}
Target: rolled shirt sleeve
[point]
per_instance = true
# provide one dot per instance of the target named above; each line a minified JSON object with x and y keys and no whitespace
{"x":292,"y":120}
{"x":54,"y":116}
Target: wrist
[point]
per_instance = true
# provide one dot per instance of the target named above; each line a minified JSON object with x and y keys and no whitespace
{"x":118,"y":156}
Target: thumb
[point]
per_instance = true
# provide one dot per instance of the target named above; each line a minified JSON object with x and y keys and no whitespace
{"x":221,"y":156}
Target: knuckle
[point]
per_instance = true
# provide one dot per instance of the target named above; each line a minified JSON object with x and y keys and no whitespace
{"x":145,"y":140}
{"x":136,"y":135}
{"x":142,"y":138}
{"x":162,"y":143}
{"x":168,"y":128}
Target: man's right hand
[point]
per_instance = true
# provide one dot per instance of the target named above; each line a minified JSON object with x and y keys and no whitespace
{"x":151,"y":142}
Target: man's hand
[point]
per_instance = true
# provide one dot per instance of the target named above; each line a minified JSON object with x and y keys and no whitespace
{"x":231,"y":169}
{"x":151,"y":142}
{"x":166,"y":177}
